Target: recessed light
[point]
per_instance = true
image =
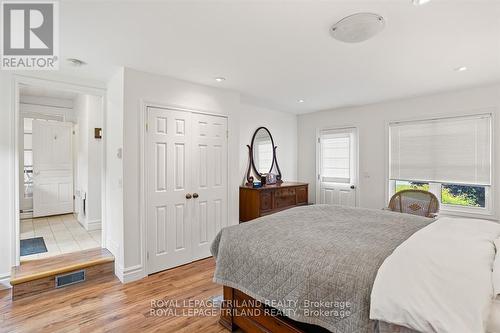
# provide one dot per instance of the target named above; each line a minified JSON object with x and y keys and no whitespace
{"x":76,"y":62}
{"x":419,"y":2}
{"x":460,"y":69}
{"x":220,"y":79}
{"x":300,"y":101}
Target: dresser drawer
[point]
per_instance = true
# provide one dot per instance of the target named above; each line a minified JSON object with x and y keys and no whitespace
{"x":285,"y":197}
{"x":301,"y":195}
{"x":269,"y":199}
{"x":266,"y":201}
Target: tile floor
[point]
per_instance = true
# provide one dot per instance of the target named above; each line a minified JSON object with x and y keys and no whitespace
{"x":62,"y":234}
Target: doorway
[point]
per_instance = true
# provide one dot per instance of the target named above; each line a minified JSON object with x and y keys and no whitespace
{"x":337,"y":165}
{"x":186,"y":185}
{"x":60,"y":155}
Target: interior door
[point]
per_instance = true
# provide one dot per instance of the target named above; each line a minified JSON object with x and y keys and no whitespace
{"x":168,"y":175}
{"x":52,"y":168}
{"x":337,"y":167}
{"x":209,"y":181}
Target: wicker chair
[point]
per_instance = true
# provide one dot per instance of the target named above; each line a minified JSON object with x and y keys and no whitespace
{"x":415,"y":202}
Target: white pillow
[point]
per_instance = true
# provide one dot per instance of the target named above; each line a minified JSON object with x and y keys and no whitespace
{"x":496,"y":269}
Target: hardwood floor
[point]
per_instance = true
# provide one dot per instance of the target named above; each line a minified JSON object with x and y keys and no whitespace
{"x":109,"y":306}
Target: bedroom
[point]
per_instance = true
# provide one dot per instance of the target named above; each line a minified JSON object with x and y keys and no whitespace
{"x":234,"y":67}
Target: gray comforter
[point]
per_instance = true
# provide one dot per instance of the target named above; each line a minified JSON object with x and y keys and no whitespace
{"x":316,"y":264}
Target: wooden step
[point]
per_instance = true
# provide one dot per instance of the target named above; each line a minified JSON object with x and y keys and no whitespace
{"x":36,"y":276}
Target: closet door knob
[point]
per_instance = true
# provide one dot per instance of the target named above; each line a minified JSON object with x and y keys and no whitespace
{"x":195,"y":195}
{"x":188,"y":196}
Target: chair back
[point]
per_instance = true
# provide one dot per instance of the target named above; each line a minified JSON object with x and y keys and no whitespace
{"x":415,"y":202}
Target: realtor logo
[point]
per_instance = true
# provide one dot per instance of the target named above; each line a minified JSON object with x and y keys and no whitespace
{"x":30,"y":35}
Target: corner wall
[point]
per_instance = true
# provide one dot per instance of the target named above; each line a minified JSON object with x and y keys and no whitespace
{"x":372,"y":121}
{"x":7,"y":180}
{"x":243,"y":119}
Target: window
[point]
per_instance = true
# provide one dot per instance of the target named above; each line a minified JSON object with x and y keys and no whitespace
{"x":450,"y":157}
{"x":335,"y":157}
{"x":463,"y":195}
{"x":404,"y":185}
{"x":28,"y":158}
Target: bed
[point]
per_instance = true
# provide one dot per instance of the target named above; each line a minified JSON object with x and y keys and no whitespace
{"x":324,"y":268}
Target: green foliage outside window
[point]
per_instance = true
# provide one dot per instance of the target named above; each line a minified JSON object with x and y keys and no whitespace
{"x":451,"y":194}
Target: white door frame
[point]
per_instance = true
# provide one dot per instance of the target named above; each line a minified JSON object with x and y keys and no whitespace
{"x":17,"y":81}
{"x":318,"y":163}
{"x":143,"y":172}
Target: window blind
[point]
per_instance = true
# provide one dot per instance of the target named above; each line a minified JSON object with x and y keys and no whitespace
{"x":335,"y":157}
{"x":449,"y":150}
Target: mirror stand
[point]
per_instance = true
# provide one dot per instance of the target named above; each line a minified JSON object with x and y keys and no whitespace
{"x":249,"y":176}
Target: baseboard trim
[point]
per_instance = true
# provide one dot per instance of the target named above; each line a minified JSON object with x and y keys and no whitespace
{"x":93,"y":225}
{"x":5,"y":282}
{"x":130,"y":274}
{"x":89,"y":225}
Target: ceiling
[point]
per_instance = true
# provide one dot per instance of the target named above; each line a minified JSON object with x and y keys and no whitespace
{"x":277,"y":52}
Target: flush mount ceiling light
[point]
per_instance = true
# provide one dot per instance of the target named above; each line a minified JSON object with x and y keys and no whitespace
{"x":419,"y":2}
{"x":358,"y":27}
{"x":300,"y":101}
{"x":76,"y":62}
{"x":220,"y":79}
{"x":461,"y":69}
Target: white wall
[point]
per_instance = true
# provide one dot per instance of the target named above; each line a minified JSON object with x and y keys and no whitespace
{"x":372,"y":120}
{"x":88,"y":111}
{"x":142,"y":87}
{"x":283,"y":128}
{"x":114,"y":168}
{"x":7,"y":180}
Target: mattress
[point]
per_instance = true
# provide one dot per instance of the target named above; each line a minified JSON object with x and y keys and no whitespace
{"x":493,"y":322}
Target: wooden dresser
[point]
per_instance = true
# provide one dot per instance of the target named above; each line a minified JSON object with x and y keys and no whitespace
{"x":256,"y":202}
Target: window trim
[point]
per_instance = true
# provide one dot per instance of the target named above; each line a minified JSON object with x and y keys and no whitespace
{"x":489,"y":212}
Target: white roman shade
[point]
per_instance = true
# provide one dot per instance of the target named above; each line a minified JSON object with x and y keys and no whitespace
{"x":449,"y":150}
{"x":335,"y":157}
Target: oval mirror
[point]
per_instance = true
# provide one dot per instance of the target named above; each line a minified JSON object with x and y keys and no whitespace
{"x":262,"y":151}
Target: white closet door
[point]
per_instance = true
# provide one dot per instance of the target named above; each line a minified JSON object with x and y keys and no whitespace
{"x":168,"y":174}
{"x":209,"y":175}
{"x":52,"y":168}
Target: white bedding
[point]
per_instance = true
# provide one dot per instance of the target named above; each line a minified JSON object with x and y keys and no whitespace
{"x":440,"y":279}
{"x":496,"y":268}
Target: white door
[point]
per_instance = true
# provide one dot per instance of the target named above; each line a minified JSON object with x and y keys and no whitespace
{"x":169,"y":162}
{"x":209,"y":181}
{"x":52,"y":168}
{"x":186,"y":168}
{"x":337,"y":167}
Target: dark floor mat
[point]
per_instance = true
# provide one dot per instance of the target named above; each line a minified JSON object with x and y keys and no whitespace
{"x":32,"y":246}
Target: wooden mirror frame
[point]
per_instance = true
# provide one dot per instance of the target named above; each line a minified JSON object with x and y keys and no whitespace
{"x":251,"y":164}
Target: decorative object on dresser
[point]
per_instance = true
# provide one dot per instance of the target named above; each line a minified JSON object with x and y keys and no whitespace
{"x":263,"y":161}
{"x":268,"y":199}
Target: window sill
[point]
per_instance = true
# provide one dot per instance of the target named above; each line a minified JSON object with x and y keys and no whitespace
{"x":486,"y":215}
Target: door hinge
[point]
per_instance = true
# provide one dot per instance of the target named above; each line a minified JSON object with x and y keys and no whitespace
{"x":147,"y":127}
{"x":319,"y":176}
{"x":319,"y":140}
{"x":147,"y":255}
{"x":227,"y":134}
{"x":74,"y":132}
